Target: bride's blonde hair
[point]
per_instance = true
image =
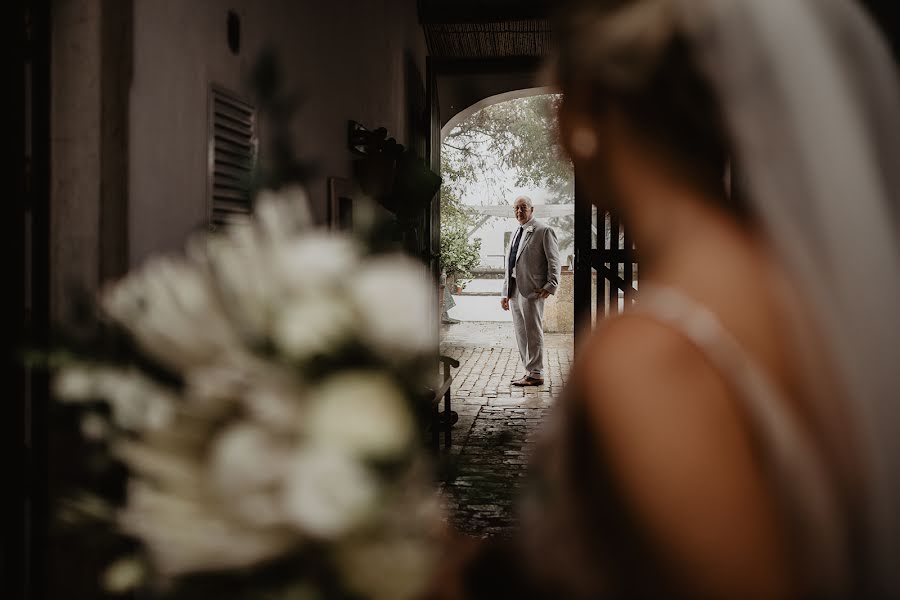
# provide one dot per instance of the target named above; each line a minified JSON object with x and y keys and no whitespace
{"x":631,"y":54}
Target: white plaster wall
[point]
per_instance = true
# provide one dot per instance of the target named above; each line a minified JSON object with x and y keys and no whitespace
{"x":347,"y":58}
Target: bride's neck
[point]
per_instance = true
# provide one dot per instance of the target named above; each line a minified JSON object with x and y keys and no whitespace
{"x":667,"y":214}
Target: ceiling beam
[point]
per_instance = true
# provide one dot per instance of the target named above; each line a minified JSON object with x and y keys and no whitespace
{"x":472,"y":66}
{"x":481,"y":11}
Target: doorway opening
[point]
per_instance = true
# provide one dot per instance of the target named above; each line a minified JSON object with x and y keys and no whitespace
{"x":493,"y":152}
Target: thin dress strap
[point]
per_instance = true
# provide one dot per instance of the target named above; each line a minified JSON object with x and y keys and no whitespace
{"x":799,"y":471}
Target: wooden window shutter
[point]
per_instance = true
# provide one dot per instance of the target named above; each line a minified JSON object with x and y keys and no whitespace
{"x":232,"y":156}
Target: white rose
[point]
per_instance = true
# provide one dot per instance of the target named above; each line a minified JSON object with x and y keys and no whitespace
{"x":94,"y":427}
{"x":242,"y":274}
{"x":211,"y":392}
{"x":184,"y":535}
{"x":314,"y":261}
{"x":281,"y":213}
{"x":313,"y":325}
{"x":138,"y":403}
{"x":246,"y":467}
{"x":124,"y":575}
{"x":169,"y":468}
{"x":170,"y":309}
{"x":75,"y":383}
{"x":364,"y":413}
{"x":328,"y":493}
{"x":277,"y":406}
{"x":394,"y":295}
{"x":387,"y":568}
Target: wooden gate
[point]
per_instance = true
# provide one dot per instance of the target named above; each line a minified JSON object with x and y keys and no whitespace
{"x":606,"y":269}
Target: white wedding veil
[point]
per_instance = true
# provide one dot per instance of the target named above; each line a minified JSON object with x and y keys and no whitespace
{"x":811,"y":101}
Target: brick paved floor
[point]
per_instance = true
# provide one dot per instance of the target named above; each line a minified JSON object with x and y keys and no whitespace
{"x":498,"y":423}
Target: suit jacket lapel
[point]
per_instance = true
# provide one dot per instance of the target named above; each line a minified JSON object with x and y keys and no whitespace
{"x":526,"y":237}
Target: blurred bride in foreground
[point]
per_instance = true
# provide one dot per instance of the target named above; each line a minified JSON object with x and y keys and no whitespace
{"x":736,"y":434}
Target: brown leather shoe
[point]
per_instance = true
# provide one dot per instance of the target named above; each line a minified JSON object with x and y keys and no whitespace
{"x":528,"y":381}
{"x":515,"y":379}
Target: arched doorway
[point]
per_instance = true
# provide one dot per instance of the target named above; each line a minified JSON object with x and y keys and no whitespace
{"x":603,"y":257}
{"x":494,"y":151}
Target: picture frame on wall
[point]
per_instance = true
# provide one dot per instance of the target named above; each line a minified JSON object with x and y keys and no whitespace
{"x":343,"y":194}
{"x":349,"y":209}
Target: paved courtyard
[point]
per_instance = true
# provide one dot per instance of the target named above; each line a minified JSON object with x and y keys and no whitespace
{"x":498,"y":423}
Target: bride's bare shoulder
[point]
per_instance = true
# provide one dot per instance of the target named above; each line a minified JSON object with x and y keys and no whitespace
{"x":672,"y":430}
{"x":629,"y":347}
{"x":639,"y":375}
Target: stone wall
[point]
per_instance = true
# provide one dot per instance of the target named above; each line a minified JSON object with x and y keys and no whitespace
{"x":559,"y":310}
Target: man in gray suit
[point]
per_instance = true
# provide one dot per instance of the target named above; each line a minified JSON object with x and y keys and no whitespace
{"x":532,"y":274}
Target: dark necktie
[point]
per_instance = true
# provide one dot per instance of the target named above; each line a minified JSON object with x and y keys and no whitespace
{"x":514,"y":250}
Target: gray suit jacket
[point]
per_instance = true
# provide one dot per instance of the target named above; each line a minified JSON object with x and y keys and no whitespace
{"x":537,"y":263}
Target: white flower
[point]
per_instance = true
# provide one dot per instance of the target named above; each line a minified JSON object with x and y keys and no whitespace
{"x":186,"y":536}
{"x":314,"y":325}
{"x":282,"y":213}
{"x":241,"y":269}
{"x":277,"y":404}
{"x":246,"y":468}
{"x":94,"y":427}
{"x":168,"y":468}
{"x":398,"y":304}
{"x":138,"y":403}
{"x":124,"y":575}
{"x":169,"y":308}
{"x":76,"y":383}
{"x":315,"y":261}
{"x":387,"y":568}
{"x":529,"y":229}
{"x":363,"y":413}
{"x":212,"y":391}
{"x":247,"y":461}
{"x":328,"y":493}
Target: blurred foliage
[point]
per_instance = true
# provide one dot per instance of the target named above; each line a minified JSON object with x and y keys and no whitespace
{"x":459,"y":256}
{"x":519,"y":135}
{"x":279,"y":164}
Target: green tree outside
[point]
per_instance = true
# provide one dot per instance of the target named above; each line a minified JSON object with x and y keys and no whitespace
{"x":519,"y":137}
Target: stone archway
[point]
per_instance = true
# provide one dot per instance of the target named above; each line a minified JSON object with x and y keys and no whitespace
{"x":490,"y":101}
{"x":493,"y":220}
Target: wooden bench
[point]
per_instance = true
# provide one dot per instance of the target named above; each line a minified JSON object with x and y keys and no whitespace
{"x":442,"y":420}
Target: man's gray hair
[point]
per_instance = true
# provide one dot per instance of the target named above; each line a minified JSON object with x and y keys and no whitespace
{"x":527,"y":200}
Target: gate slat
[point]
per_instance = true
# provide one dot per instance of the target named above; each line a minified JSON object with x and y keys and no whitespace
{"x":613,"y":297}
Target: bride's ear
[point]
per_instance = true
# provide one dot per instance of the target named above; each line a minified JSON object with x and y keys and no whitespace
{"x":582,"y":142}
{"x":577,"y":132}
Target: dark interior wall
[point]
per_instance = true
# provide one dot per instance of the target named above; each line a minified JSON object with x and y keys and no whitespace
{"x":348,"y":59}
{"x":26,"y":266}
{"x":75,"y":118}
{"x":459,"y":89}
{"x":886,"y":14}
{"x":90,"y":74}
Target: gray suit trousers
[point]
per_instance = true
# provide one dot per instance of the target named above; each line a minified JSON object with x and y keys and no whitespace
{"x":528,"y":321}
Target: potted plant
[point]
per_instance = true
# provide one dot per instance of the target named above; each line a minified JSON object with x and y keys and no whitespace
{"x":459,"y":256}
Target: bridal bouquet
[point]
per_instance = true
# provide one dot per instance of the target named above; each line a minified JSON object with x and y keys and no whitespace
{"x":269,"y":429}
